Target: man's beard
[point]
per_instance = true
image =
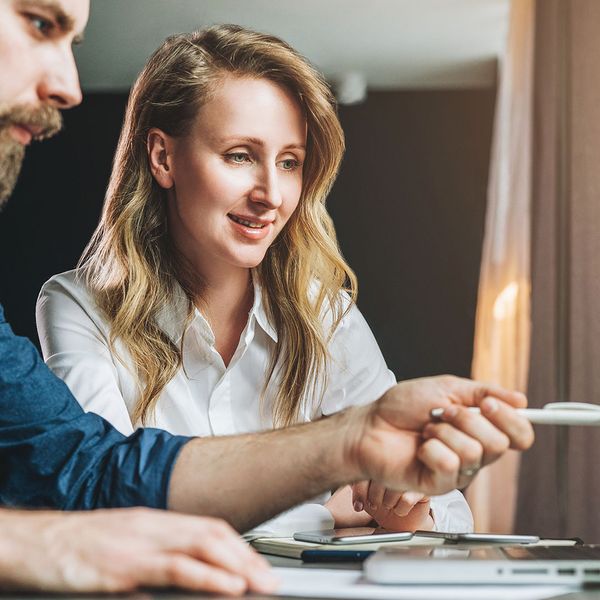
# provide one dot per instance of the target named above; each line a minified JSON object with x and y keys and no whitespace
{"x":45,"y":118}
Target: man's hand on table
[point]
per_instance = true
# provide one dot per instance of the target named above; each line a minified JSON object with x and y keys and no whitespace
{"x":123,"y":549}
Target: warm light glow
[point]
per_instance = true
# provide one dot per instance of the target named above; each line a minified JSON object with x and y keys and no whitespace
{"x":506,"y":303}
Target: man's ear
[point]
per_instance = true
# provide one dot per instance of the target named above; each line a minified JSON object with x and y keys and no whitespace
{"x":160,"y":148}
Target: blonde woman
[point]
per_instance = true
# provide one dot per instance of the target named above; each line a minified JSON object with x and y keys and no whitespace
{"x":213,"y":298}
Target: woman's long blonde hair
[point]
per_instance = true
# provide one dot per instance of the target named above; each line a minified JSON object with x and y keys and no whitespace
{"x":130,"y":265}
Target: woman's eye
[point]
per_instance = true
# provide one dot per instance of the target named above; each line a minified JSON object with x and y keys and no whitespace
{"x":289,"y":164}
{"x":238,"y":157}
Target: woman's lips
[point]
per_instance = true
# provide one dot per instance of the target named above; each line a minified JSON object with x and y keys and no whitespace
{"x":253,"y":233}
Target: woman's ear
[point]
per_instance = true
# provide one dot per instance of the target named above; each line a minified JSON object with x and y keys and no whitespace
{"x":160,"y":146}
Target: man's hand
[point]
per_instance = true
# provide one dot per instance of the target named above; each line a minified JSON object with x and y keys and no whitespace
{"x":124,"y":549}
{"x":387,"y":441}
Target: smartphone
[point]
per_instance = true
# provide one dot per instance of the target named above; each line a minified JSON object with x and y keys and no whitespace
{"x":355,"y":535}
{"x":490,"y":538}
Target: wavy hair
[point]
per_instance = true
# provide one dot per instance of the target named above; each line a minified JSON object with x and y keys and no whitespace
{"x":132,"y":268}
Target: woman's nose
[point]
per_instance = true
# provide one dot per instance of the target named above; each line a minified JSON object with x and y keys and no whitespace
{"x":267,"y":190}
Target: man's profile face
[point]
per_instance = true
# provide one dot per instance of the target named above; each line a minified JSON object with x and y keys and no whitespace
{"x":38,"y":76}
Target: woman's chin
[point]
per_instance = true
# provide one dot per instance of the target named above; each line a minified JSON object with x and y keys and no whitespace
{"x":248,"y":262}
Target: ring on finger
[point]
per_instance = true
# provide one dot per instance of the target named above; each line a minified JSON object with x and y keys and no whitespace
{"x":469,"y":471}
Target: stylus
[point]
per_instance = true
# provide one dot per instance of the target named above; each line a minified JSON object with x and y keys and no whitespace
{"x":555,"y":413}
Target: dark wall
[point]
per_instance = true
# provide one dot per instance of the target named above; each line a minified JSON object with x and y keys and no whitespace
{"x":56,"y":204}
{"x":409,"y":209}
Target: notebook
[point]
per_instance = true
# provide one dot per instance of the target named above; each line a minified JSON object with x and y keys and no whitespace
{"x":291,"y":548}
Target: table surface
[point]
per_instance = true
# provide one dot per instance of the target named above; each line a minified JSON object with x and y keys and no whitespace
{"x":584,"y":594}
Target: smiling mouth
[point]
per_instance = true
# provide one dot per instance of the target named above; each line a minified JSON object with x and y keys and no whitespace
{"x":245,"y":223}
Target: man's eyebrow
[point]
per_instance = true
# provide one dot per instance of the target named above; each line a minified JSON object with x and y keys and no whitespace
{"x":65,"y":22}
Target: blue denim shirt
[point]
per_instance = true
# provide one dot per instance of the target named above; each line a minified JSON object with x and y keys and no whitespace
{"x":52,"y":454}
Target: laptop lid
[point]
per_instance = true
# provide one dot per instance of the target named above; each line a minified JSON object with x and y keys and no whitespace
{"x":477,"y":564}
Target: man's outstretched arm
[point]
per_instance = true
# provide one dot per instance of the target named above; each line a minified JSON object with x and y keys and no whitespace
{"x":52,"y":454}
{"x":247,"y":479}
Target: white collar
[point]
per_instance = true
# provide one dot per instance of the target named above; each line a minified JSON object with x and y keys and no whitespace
{"x":259,"y":310}
{"x":172,"y":316}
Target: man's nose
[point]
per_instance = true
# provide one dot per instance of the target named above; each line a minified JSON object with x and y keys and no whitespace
{"x":60,"y":85}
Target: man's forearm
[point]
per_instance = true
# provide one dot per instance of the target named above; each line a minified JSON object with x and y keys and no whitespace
{"x":250,"y":478}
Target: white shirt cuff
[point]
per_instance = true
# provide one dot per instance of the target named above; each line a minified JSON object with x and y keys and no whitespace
{"x":451,"y":513}
{"x":306,"y":517}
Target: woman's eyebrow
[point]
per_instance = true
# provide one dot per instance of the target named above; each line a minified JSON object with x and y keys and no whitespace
{"x":242,"y":138}
{"x":257,"y":142}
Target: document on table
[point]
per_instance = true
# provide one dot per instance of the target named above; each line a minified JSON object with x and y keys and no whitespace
{"x":333,"y":583}
{"x":292,"y":548}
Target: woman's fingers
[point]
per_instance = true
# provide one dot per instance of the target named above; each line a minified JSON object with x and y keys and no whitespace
{"x":359,"y":495}
{"x":407,"y":501}
{"x":374,"y":497}
{"x":391,"y":499}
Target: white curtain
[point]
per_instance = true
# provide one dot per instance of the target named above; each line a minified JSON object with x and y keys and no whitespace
{"x":502,"y":327}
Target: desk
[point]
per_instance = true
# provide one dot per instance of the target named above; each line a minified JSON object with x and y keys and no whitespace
{"x":277,"y":561}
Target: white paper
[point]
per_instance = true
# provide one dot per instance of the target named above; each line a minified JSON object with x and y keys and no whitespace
{"x":334,"y":583}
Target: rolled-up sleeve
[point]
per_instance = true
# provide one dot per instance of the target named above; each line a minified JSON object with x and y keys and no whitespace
{"x":52,"y":454}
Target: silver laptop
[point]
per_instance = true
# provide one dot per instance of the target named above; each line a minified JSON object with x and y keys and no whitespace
{"x":470,"y":564}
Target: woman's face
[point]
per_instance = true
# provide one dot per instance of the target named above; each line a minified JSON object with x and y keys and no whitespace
{"x":237,"y":176}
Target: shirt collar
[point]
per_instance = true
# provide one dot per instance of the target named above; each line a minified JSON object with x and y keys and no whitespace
{"x":259,"y":310}
{"x":172,"y":316}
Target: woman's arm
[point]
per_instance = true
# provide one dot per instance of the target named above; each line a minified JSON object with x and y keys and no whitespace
{"x":74,"y":341}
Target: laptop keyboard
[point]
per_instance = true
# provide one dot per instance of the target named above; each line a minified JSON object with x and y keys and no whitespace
{"x":577,"y":552}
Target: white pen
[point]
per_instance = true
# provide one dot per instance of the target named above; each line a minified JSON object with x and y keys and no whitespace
{"x":555,"y":413}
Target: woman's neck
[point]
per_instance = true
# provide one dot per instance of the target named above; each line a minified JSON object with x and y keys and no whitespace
{"x":226,"y":295}
{"x":226,"y":302}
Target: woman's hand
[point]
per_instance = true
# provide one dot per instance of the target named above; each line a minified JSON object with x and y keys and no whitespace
{"x":396,"y":511}
{"x":358,"y":505}
{"x":342,"y":511}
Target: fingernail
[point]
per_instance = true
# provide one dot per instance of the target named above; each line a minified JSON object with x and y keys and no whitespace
{"x":358,"y":506}
{"x":489,"y":405}
{"x":450,"y":412}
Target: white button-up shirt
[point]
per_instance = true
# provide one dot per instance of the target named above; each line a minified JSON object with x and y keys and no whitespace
{"x":205,"y":397}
